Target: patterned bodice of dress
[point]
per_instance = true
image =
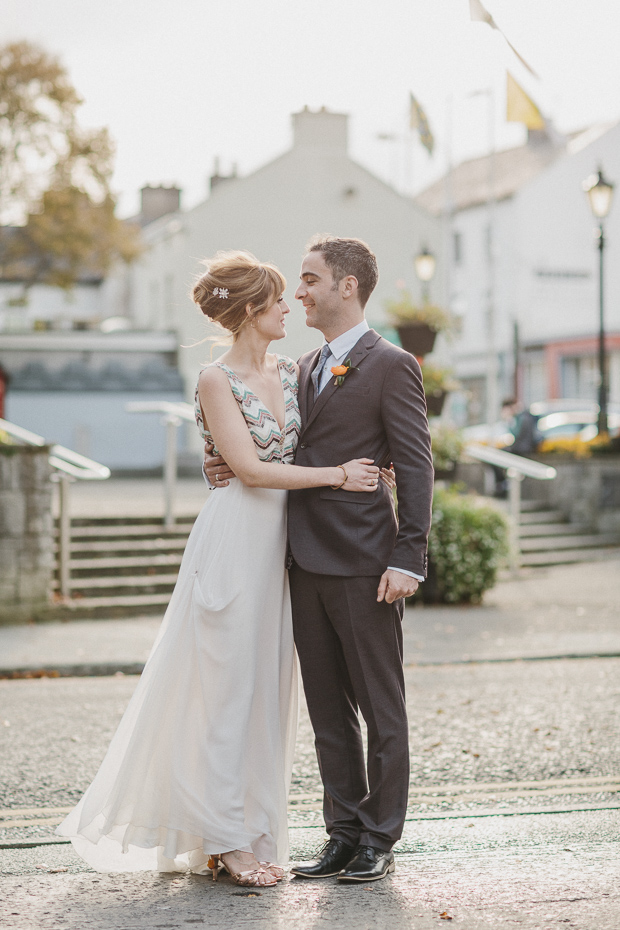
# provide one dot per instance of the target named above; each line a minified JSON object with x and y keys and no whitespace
{"x":272,"y":443}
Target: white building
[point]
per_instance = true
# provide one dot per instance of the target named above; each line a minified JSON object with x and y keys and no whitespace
{"x":314,"y":187}
{"x":528,"y":260}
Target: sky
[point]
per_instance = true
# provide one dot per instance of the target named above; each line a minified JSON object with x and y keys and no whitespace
{"x":180,"y":82}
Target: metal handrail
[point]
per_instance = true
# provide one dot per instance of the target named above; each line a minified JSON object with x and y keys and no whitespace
{"x":172,"y":408}
{"x":61,"y":458}
{"x":173,"y":412}
{"x":70,"y":466}
{"x":503,"y":459}
{"x":517,"y":468}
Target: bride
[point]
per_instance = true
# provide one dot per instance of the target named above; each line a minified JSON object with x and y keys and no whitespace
{"x":198,"y":771}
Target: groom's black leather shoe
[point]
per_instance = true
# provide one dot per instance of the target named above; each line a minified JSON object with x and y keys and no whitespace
{"x":369,"y":864}
{"x":329,"y":861}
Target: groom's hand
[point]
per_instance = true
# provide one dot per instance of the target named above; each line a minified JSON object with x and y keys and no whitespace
{"x":215,"y":468}
{"x":395,"y":584}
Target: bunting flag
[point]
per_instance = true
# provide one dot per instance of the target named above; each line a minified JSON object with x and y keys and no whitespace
{"x":480,"y":15}
{"x":520,"y":108}
{"x":418,"y":120}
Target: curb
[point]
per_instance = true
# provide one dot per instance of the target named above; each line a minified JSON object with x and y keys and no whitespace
{"x":85,"y":670}
{"x":108,"y":669}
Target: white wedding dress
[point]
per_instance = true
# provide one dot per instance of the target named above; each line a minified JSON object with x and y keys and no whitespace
{"x":201,"y":761}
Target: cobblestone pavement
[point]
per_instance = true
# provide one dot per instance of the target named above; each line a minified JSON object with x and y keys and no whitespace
{"x":533,"y":740}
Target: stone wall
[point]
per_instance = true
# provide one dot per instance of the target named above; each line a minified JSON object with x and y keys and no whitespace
{"x":587,"y":491}
{"x":26,"y":532}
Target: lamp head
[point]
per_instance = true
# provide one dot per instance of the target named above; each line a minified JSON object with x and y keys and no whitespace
{"x":600,"y":194}
{"x":425,"y":265}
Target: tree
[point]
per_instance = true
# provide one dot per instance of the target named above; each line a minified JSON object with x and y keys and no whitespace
{"x":54,"y":177}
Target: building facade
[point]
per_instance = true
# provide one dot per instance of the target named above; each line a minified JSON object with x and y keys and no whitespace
{"x":315,"y":187}
{"x":524,"y":269}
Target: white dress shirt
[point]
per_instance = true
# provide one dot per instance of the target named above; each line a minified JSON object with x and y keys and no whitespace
{"x":340,"y":348}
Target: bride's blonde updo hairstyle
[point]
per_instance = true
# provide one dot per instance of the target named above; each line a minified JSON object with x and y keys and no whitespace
{"x":231,"y":282}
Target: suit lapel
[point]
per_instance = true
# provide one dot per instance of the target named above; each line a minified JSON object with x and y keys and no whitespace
{"x":359,"y":352}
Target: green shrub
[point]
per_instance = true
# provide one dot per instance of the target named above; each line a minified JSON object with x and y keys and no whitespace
{"x":467,"y":543}
{"x":447,"y":444}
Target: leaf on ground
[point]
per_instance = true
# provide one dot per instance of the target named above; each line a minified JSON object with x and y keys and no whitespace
{"x":445,"y":916}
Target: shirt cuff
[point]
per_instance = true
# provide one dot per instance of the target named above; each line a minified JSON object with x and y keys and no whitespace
{"x":206,"y":477}
{"x":404,"y":571}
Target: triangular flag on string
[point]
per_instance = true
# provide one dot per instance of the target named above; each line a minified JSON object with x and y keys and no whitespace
{"x":481,"y":15}
{"x":418,"y":120}
{"x":519,"y":107}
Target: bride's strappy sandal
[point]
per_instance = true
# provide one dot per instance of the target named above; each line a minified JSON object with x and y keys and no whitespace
{"x":276,"y":870}
{"x":251,"y":878}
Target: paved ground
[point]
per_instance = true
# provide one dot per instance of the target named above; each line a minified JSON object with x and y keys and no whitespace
{"x":564,"y":611}
{"x":514,"y":810}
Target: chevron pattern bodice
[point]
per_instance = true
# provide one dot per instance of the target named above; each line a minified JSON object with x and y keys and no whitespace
{"x":272,"y":443}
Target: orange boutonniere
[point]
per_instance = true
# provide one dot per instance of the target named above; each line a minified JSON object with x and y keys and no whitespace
{"x":341,"y":371}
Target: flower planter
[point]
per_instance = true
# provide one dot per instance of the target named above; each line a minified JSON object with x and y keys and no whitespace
{"x":435,"y":402}
{"x":447,"y":474}
{"x":417,"y":338}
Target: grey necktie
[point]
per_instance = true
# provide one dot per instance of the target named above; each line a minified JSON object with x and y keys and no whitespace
{"x":318,"y":371}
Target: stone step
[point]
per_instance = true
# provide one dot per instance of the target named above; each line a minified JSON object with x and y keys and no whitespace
{"x":130,"y":545}
{"x":81,"y":522}
{"x":529,"y":506}
{"x":594,"y":540}
{"x":145,"y":530}
{"x":552,"y":529}
{"x":129,"y":561}
{"x":121,"y":605}
{"x":542,"y":516}
{"x":558,"y":557}
{"x":122,"y":581}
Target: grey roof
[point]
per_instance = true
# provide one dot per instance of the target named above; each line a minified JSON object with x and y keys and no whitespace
{"x":467,"y":185}
{"x":78,"y":376}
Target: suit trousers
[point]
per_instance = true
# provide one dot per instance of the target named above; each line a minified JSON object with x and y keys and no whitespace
{"x":351,"y":654}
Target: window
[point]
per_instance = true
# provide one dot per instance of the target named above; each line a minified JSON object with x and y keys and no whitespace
{"x":457,"y":247}
{"x":579,"y":377}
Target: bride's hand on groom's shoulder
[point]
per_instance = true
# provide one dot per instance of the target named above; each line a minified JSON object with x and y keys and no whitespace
{"x":215,"y":468}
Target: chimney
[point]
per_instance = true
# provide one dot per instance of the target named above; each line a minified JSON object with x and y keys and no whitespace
{"x":217,"y":178}
{"x":320,"y":129}
{"x":158,"y":201}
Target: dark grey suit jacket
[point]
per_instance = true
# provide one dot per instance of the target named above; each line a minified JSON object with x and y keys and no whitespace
{"x":379,"y":412}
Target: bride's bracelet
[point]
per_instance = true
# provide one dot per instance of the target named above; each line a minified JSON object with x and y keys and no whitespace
{"x":336,"y":487}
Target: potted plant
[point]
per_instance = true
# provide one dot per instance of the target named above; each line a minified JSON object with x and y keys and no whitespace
{"x":418,"y":324}
{"x":438,"y":382}
{"x":447,"y":448}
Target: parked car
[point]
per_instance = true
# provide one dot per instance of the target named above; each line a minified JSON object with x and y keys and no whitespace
{"x":555,"y":419}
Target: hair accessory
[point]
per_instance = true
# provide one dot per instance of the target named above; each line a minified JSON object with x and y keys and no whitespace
{"x":221,"y":292}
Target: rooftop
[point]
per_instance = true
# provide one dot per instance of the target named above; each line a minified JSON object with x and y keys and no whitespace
{"x":468,"y":185}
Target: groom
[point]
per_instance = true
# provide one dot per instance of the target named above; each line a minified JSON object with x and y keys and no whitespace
{"x":353,"y":561}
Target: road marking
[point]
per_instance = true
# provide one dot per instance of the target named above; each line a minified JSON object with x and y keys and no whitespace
{"x":34,"y":811}
{"x":432,"y":794}
{"x":30,"y":823}
{"x":429,"y":794}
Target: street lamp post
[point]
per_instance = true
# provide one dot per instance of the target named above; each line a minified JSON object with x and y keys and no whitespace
{"x":425,"y":263}
{"x":600,"y":193}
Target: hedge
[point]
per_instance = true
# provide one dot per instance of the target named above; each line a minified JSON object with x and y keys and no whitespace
{"x":467,"y":544}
